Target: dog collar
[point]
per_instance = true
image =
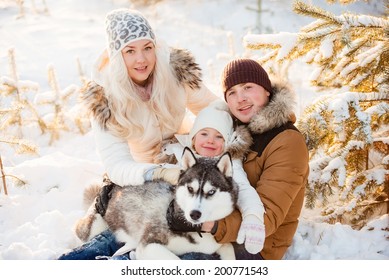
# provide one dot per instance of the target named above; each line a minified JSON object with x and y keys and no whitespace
{"x":177,"y":221}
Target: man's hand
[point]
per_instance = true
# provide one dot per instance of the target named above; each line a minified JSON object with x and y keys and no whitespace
{"x":252,"y":234}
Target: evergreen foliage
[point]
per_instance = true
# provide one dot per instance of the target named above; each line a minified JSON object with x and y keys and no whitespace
{"x":23,"y":106}
{"x":350,"y":50}
{"x":24,"y":109}
{"x":346,"y":133}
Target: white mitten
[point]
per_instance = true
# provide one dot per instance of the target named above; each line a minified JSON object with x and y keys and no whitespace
{"x":132,"y":255}
{"x":252,"y":234}
{"x":170,"y":175}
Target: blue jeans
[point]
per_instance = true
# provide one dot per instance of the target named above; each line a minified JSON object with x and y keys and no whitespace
{"x":104,"y":245}
{"x":242,"y":254}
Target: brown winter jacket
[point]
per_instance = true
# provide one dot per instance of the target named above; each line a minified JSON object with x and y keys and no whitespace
{"x":277,"y":166}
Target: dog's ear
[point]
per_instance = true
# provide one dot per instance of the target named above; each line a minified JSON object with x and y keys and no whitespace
{"x":224,"y":164}
{"x":188,"y":159}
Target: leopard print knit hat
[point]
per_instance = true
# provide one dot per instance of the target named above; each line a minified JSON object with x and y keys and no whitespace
{"x":124,"y":26}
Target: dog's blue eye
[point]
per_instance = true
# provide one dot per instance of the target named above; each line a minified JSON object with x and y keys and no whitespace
{"x":212,"y":192}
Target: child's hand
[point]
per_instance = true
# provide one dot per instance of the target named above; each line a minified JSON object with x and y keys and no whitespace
{"x":252,"y":234}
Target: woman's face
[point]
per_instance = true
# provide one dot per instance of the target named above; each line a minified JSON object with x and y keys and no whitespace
{"x":140,"y":59}
{"x":208,"y":142}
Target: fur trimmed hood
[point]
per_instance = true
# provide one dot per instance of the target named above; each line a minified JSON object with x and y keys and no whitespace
{"x":240,"y":142}
{"x":279,"y":111}
{"x":186,"y":70}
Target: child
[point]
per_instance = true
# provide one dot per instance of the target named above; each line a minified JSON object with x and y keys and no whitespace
{"x":211,"y":135}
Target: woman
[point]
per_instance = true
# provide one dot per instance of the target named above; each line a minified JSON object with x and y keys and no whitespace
{"x":138,"y":98}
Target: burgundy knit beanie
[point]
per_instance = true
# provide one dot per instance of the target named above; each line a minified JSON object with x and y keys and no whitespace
{"x":244,"y":70}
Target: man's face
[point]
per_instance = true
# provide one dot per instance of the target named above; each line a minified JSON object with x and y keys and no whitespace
{"x":245,"y":100}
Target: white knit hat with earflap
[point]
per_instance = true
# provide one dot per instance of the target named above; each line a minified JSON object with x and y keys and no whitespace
{"x":216,"y":118}
{"x":124,"y":26}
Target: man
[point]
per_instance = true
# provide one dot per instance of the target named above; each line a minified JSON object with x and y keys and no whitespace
{"x":277,"y":164}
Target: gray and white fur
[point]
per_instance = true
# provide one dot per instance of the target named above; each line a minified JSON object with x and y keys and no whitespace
{"x":137,"y":214}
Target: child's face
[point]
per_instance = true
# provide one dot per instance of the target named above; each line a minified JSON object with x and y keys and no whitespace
{"x":208,"y":142}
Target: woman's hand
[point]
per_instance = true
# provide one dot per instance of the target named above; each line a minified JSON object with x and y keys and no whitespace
{"x":169,"y":175}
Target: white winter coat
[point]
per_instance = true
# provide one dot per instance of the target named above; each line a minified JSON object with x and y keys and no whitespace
{"x":125,"y":161}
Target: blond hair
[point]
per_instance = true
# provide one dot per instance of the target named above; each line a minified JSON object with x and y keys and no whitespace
{"x":167,"y":102}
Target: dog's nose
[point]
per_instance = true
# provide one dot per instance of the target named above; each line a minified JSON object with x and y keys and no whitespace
{"x":195,"y":215}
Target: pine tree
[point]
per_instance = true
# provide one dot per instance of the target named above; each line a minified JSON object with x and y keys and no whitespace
{"x":24,"y":106}
{"x":346,"y":133}
{"x":20,"y":110}
{"x":56,"y":120}
{"x":21,"y":146}
{"x":62,"y":118}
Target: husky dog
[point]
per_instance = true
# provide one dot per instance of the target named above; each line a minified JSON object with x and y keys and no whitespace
{"x":137,"y":214}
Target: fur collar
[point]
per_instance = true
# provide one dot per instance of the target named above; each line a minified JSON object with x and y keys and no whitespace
{"x":279,"y":111}
{"x":94,"y":99}
{"x":187,"y":72}
{"x":240,"y":142}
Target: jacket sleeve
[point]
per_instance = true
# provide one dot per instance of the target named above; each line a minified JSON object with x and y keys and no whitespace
{"x":116,"y":156}
{"x":283,"y":177}
{"x":249,"y":202}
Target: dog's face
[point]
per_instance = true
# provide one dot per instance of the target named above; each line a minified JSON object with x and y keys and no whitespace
{"x":205,"y":191}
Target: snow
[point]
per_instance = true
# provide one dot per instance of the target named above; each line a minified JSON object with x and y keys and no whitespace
{"x":37,"y":219}
{"x":285,"y":40}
